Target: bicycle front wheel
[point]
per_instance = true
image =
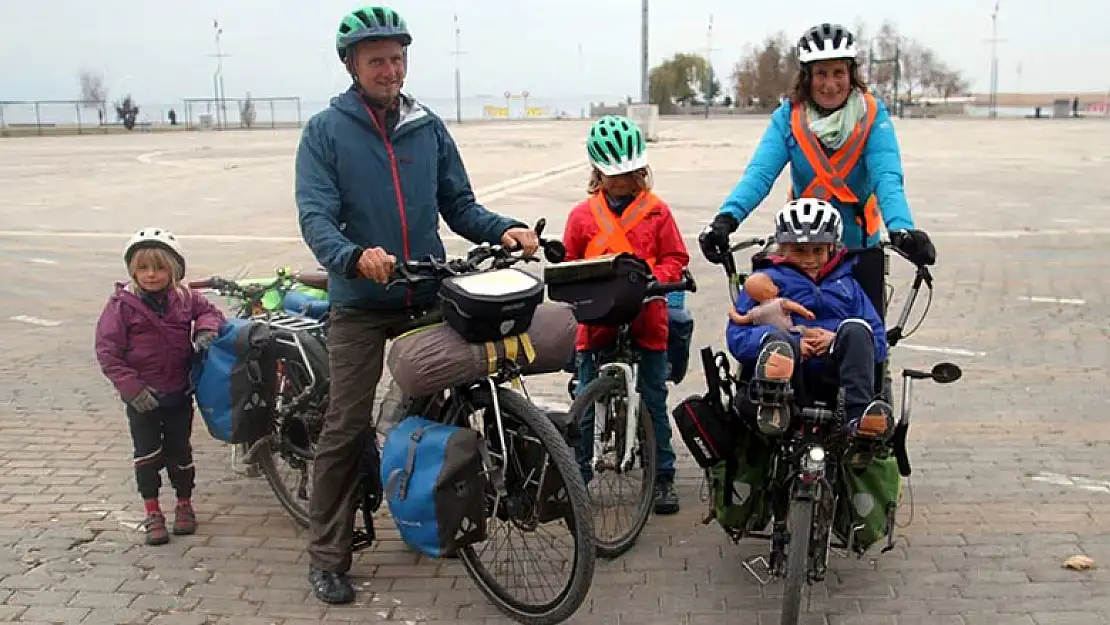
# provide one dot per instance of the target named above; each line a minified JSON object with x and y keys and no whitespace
{"x":799,"y":522}
{"x":631,"y":506}
{"x":546,"y":505}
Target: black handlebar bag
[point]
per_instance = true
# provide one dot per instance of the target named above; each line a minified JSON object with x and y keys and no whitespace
{"x":490,"y":305}
{"x":604,"y":291}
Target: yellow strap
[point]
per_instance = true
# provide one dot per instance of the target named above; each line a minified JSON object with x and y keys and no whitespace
{"x":491,"y":357}
{"x":510,"y":348}
{"x":529,"y":349}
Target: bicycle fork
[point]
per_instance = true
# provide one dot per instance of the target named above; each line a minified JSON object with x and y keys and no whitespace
{"x":629,"y":374}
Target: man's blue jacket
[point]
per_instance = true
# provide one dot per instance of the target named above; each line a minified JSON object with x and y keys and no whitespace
{"x":362,"y":184}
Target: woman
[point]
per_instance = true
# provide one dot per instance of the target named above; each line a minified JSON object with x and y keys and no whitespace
{"x":841,"y":148}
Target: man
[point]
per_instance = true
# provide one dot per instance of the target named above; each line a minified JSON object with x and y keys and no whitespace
{"x":375,"y":171}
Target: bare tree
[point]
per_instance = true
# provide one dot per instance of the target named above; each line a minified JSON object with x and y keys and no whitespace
{"x":93,"y":90}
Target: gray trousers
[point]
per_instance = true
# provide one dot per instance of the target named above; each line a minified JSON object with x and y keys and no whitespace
{"x":356,"y":354}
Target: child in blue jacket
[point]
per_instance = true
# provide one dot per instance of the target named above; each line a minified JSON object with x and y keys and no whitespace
{"x":844,"y":340}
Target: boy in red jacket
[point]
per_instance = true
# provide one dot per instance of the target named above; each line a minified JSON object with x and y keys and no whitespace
{"x":144,"y":343}
{"x":635,"y":220}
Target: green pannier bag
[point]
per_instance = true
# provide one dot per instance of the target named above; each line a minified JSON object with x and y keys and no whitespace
{"x":738,"y":486}
{"x":870,"y":496}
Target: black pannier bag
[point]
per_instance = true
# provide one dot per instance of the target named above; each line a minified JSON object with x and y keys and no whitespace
{"x":604,"y":291}
{"x":490,"y":305}
{"x":708,"y":431}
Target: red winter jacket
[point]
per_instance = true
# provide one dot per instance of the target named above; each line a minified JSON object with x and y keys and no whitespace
{"x":136,"y":348}
{"x":655,"y":239}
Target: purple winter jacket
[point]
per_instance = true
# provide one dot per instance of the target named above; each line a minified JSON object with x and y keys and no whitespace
{"x":136,"y":348}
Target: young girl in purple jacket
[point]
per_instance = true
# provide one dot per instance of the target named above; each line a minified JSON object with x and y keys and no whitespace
{"x":144,"y":343}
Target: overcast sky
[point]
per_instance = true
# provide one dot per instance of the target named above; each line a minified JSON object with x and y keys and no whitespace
{"x":160,"y":50}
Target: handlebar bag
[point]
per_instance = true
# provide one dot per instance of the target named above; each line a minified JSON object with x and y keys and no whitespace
{"x":604,"y":291}
{"x":490,"y":305}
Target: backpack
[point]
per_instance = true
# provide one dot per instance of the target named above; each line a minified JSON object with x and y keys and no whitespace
{"x":235,"y":382}
{"x":435,"y":485}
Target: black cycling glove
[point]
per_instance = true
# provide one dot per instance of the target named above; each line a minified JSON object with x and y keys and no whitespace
{"x":714,"y":239}
{"x":916,"y":245}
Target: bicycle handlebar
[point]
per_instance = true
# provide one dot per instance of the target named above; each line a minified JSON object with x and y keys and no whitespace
{"x":414,"y":271}
{"x":685,"y":283}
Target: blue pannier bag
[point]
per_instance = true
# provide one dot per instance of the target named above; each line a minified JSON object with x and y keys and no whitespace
{"x":680,"y":336}
{"x":435,"y":485}
{"x":235,"y":382}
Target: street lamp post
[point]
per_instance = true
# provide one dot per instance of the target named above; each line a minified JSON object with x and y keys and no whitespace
{"x":709,"y":66}
{"x":458,"y":80}
{"x":645,"y":96}
{"x":218,"y":78}
{"x":994,"y":62}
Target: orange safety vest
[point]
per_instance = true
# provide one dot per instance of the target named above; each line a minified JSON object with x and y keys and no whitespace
{"x":612,"y":234}
{"x":831,"y":173}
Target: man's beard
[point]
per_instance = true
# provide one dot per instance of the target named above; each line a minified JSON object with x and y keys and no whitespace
{"x":380,"y":101}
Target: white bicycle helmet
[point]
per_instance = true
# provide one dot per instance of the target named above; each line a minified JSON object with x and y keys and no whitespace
{"x":808,"y":220}
{"x":826,"y":41}
{"x":153,"y":237}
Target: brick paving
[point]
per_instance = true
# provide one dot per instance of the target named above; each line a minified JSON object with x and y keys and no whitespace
{"x":1010,"y":476}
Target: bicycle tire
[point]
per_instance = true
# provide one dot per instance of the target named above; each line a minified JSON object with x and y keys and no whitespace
{"x":566,"y":604}
{"x":799,"y":522}
{"x":297,"y":511}
{"x":598,"y":388}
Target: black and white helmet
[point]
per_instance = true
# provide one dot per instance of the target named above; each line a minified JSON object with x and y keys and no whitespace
{"x":153,"y":237}
{"x":808,"y":220}
{"x":826,"y":41}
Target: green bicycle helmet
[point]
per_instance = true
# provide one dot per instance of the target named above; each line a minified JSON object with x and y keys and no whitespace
{"x":616,"y":145}
{"x":370,"y":22}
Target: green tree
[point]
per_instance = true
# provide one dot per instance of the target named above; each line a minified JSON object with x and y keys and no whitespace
{"x":680,"y":80}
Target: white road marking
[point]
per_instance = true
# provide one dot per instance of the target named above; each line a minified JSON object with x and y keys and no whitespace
{"x":492,"y":192}
{"x":1053,"y":300}
{"x":1078,"y":481}
{"x":952,"y":351}
{"x":1017,"y":234}
{"x":36,"y":321}
{"x":42,"y":261}
{"x":688,"y":236}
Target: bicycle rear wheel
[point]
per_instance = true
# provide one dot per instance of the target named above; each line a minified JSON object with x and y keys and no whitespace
{"x":617,"y":538}
{"x":544,"y":487}
{"x":293,"y":442}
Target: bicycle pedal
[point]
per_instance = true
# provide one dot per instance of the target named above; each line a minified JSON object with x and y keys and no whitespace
{"x":750,"y":564}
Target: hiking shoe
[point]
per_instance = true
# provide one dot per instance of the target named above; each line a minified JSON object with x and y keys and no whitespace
{"x":773,"y":371}
{"x":876,"y":423}
{"x":665,"y":498}
{"x":184,"y":519}
{"x":155,"y":526}
{"x":330,"y":587}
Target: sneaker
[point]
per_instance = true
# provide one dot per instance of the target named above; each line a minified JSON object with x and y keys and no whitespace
{"x":330,"y":587}
{"x":666,"y":498}
{"x":155,"y":526}
{"x":775,"y":366}
{"x":876,"y":423}
{"x":184,"y":519}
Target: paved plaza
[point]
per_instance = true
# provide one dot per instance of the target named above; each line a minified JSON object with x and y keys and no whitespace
{"x":1010,"y":464}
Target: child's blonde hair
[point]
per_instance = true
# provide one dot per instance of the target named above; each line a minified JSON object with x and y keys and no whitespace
{"x":159,"y":258}
{"x":644,"y":179}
